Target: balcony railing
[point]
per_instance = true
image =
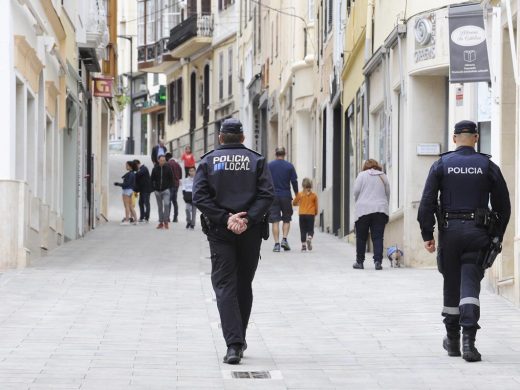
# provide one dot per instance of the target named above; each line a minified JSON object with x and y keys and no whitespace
{"x":193,"y":26}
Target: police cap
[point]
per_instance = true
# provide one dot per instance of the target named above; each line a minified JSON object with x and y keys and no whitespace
{"x":466,"y":127}
{"x":232,"y":126}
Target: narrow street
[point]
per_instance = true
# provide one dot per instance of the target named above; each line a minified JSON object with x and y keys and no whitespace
{"x":130,"y":307}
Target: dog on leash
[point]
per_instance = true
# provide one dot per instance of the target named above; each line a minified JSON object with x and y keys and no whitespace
{"x":394,"y":255}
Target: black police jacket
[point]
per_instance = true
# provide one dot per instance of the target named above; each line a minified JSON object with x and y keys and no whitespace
{"x":231,"y":179}
{"x":467,"y":180}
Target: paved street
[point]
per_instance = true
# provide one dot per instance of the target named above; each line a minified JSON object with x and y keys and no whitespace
{"x":131,"y":307}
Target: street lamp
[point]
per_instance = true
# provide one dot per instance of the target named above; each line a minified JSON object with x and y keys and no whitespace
{"x":130,"y":142}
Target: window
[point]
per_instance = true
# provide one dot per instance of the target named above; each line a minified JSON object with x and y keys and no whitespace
{"x":276,"y":46}
{"x":259,"y":27}
{"x":140,"y":23}
{"x":171,"y":17}
{"x":221,"y":76}
{"x":224,"y":4}
{"x":311,"y":10}
{"x":255,"y":37}
{"x":175,"y":101}
{"x":150,"y":21}
{"x":230,"y":72}
{"x":329,"y":14}
{"x":155,"y":78}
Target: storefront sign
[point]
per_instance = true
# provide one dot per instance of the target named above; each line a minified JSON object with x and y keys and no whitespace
{"x":103,"y":87}
{"x":468,"y":49}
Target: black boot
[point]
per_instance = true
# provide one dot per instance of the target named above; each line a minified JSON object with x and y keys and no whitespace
{"x":469,"y":352}
{"x":451,"y":343}
{"x":233,"y":354}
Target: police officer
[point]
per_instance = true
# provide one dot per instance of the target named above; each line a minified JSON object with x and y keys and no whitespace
{"x":233,"y":190}
{"x":468,"y":182}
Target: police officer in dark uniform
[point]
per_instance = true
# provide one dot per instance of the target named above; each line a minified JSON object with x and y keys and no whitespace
{"x":233,"y":190}
{"x":468,"y":182}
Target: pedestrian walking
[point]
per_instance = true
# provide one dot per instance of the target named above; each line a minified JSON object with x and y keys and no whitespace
{"x":233,"y":189}
{"x":468,"y":182}
{"x":162,"y":181}
{"x":187,"y":194}
{"x":157,"y":151}
{"x":372,"y":197}
{"x":127,"y":187}
{"x":308,"y":209}
{"x":283,"y":174}
{"x":143,"y":185}
{"x":189,"y":160}
{"x":177,"y":176}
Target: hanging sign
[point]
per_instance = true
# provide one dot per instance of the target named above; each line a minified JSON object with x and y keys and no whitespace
{"x":103,"y":87}
{"x":468,"y":49}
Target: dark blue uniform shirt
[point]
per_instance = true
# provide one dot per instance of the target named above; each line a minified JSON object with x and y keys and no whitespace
{"x":231,"y":179}
{"x":466,"y":180}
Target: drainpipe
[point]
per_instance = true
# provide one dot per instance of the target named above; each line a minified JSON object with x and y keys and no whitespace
{"x":369,"y":30}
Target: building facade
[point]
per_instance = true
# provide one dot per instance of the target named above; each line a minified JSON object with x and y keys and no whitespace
{"x":54,"y":147}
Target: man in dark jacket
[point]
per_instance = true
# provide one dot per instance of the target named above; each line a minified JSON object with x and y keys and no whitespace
{"x":158,"y":150}
{"x":177,"y":175}
{"x":162,"y":181}
{"x":143,"y":186}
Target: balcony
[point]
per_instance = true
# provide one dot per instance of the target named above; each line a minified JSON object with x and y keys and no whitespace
{"x":190,"y":36}
{"x":154,"y":57}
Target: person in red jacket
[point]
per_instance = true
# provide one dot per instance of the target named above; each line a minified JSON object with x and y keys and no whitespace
{"x":189,"y":160}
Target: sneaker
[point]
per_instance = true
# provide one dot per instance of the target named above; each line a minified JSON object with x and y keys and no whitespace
{"x":141,"y":220}
{"x":309,"y":243}
{"x":146,"y":221}
{"x":378,"y":265}
{"x":358,"y":265}
{"x":276,"y":247}
{"x":160,"y":226}
{"x":304,"y":248}
{"x":166,"y":225}
{"x":285,"y":245}
{"x":125,"y":223}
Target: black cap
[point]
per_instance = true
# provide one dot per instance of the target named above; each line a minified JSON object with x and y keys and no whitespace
{"x":231,"y":125}
{"x":465,"y":127}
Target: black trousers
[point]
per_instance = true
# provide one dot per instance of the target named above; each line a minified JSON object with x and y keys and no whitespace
{"x":234,"y":259}
{"x":144,"y":206}
{"x":173,"y":200}
{"x":375,"y":223}
{"x":306,"y":226}
{"x":457,"y":254}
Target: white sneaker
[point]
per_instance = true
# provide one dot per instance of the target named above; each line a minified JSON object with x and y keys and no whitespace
{"x":125,"y":223}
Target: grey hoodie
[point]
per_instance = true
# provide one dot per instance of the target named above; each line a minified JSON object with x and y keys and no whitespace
{"x":371,"y":192}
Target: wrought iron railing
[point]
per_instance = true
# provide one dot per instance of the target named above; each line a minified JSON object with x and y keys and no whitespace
{"x":193,"y":26}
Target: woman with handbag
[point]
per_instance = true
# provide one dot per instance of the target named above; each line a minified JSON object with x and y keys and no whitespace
{"x":372,"y":196}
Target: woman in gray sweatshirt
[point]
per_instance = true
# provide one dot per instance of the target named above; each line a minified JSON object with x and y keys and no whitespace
{"x":372,"y":194}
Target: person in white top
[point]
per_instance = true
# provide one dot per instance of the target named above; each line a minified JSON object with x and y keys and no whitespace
{"x":187,"y":191}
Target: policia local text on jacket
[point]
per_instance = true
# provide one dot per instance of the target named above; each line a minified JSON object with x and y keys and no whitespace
{"x":468,"y":182}
{"x":229,"y":180}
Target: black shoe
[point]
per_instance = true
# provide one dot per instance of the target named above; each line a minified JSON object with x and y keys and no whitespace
{"x":451,"y":343}
{"x":192,"y":227}
{"x":285,"y":245}
{"x":244,"y":347}
{"x":233,"y":354}
{"x":175,"y":219}
{"x":358,"y":265}
{"x":188,"y":225}
{"x":469,"y":352}
{"x":378,"y":265}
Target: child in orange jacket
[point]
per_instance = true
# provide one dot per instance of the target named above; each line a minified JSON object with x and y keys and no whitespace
{"x":308,"y":202}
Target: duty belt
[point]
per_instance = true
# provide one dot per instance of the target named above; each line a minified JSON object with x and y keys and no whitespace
{"x":465,"y":216}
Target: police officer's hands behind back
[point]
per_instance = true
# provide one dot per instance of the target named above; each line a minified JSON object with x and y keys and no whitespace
{"x":237,"y":223}
{"x":430,"y":246}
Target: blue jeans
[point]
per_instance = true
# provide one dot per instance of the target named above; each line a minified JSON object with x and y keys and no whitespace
{"x":144,"y":206}
{"x":375,"y":223}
